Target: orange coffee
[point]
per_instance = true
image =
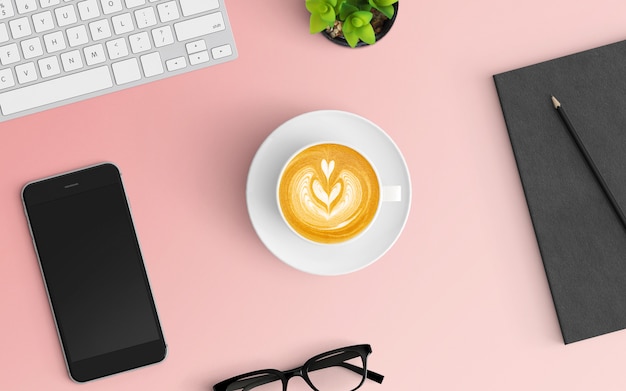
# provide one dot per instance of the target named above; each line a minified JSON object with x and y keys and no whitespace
{"x":328,"y":193}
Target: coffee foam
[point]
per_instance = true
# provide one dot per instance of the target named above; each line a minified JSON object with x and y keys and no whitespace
{"x":329,"y":193}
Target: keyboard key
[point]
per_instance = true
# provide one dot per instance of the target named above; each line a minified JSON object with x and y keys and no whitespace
{"x":193,"y":7}
{"x":222,"y":51}
{"x":43,"y":21}
{"x":49,"y":66}
{"x":122,"y":23}
{"x":6,"y":78}
{"x":162,"y":36}
{"x":203,"y":25}
{"x":20,"y":28}
{"x":145,"y":17}
{"x":65,"y":15}
{"x":134,"y":3}
{"x":4,"y":33}
{"x":6,"y":9}
{"x":168,"y":11}
{"x":71,"y":61}
{"x":26,"y":72}
{"x":54,"y":42}
{"x":151,"y":64}
{"x":9,"y":54}
{"x":117,"y":48}
{"x":111,"y":6}
{"x":94,"y":54}
{"x":100,"y":29}
{"x":32,"y":48}
{"x":139,"y":42}
{"x":55,"y":90}
{"x":48,"y":3}
{"x":195,"y":46}
{"x":126,"y":71}
{"x":77,"y":36}
{"x":24,"y":6}
{"x":88,"y":10}
{"x":199,"y":58}
{"x":176,"y":63}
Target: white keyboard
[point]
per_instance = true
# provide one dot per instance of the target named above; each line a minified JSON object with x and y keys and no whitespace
{"x":55,"y":52}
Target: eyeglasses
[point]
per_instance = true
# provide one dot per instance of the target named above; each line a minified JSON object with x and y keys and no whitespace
{"x":343,"y":369}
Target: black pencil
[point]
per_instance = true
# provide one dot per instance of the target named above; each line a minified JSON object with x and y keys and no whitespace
{"x":588,"y":159}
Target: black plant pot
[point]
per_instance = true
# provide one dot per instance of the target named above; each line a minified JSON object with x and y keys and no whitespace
{"x":385,"y":29}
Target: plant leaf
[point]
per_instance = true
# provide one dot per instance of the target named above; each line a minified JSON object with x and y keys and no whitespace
{"x":384,"y":6}
{"x":312,"y":5}
{"x":366,"y":33}
{"x":387,"y":10}
{"x":340,"y":3}
{"x":347,"y":10}
{"x":382,"y":3}
{"x":317,"y":24}
{"x":364,"y":16}
{"x":317,"y":3}
{"x":324,"y":8}
{"x":351,"y":37}
{"x":355,"y":22}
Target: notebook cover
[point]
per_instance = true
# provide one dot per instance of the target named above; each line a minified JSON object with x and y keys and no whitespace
{"x":581,"y":239}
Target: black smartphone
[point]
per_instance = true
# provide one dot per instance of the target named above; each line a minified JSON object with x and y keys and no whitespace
{"x":94,"y":272}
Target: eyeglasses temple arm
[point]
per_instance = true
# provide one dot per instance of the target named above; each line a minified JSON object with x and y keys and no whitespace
{"x":374,"y":376}
{"x":339,"y":360}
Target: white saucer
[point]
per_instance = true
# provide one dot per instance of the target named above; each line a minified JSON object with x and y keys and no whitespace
{"x":326,"y":126}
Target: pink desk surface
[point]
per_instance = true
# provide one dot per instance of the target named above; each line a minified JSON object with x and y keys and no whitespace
{"x":461,"y":301}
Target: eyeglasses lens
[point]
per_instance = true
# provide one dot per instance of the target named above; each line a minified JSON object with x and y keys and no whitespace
{"x":257,"y":382}
{"x":343,"y":371}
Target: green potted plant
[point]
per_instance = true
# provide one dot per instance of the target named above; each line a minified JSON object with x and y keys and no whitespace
{"x":352,"y":22}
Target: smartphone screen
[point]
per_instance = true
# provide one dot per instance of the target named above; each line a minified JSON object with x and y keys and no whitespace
{"x":94,"y":272}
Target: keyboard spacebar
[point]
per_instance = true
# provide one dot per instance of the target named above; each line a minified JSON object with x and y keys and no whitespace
{"x":56,"y":90}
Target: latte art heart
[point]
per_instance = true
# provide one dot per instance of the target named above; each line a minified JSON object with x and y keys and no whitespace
{"x":322,"y":195}
{"x":321,"y":199}
{"x":329,"y":193}
{"x":328,"y":168}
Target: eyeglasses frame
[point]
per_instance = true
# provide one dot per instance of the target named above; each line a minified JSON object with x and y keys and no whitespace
{"x":363,"y":351}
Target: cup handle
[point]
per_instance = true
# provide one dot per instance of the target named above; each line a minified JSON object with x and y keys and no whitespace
{"x":392,"y":193}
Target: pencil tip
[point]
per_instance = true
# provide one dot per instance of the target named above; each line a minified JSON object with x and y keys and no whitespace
{"x":555,"y":102}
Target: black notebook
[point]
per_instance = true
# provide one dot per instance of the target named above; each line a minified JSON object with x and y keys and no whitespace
{"x":581,"y":239}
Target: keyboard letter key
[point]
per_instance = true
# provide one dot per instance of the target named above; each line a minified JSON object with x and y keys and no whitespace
{"x":88,"y":10}
{"x":111,"y":6}
{"x":65,"y":15}
{"x":9,"y":54}
{"x":6,"y":78}
{"x":26,"y":72}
